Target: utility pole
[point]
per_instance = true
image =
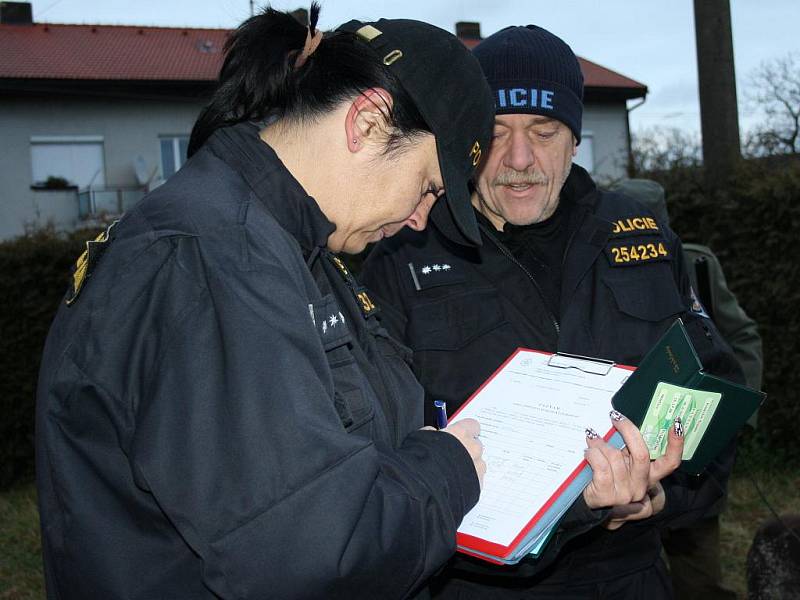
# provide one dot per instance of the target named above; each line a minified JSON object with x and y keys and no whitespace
{"x":252,"y":8}
{"x":719,"y":115}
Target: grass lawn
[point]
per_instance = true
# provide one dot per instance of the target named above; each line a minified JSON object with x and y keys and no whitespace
{"x":20,"y":550}
{"x":21,"y":571}
{"x":779,"y":483}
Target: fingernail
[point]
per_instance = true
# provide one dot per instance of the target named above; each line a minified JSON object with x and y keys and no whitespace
{"x":591,"y":433}
{"x":678,"y":427}
{"x":616,"y":416}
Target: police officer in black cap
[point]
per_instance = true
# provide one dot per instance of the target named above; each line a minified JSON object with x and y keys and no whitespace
{"x":563,"y":267}
{"x":220,"y":415}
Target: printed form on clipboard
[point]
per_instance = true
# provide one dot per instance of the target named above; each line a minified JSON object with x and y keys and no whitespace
{"x":534,"y":411}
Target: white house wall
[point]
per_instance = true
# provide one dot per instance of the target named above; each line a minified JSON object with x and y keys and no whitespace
{"x":128,"y":128}
{"x":608,"y":125}
{"x":132,"y":127}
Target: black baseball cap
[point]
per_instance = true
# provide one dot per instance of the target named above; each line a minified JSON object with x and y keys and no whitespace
{"x":450,"y":92}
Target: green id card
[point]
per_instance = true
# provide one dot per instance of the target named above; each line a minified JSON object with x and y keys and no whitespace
{"x":694,"y":407}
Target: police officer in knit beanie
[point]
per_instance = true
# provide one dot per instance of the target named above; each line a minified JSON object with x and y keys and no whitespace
{"x":532,"y":71}
{"x":545,"y":277}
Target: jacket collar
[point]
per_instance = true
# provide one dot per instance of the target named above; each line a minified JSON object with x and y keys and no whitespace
{"x":241,"y":148}
{"x":588,"y":232}
{"x":579,"y":187}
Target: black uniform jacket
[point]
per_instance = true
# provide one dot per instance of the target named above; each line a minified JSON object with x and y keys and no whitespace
{"x":217,"y":418}
{"x":463,"y":311}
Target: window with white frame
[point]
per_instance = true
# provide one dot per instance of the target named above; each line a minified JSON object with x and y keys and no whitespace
{"x":173,"y":153}
{"x":585,"y":155}
{"x":76,"y":160}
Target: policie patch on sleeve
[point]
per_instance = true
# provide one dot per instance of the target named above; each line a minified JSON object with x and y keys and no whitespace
{"x":628,"y":252}
{"x":87,"y":261}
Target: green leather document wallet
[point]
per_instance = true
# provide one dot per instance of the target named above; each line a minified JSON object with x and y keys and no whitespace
{"x":670,"y":382}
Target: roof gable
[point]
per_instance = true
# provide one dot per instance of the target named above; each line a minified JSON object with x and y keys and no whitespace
{"x":133,"y":53}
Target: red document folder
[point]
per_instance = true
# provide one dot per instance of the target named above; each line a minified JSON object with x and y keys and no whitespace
{"x":507,"y":406}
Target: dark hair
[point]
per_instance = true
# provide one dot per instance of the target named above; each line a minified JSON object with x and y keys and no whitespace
{"x":258,"y":78}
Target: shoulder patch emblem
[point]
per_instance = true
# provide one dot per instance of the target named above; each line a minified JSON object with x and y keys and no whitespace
{"x":87,"y":261}
{"x":697,"y":306}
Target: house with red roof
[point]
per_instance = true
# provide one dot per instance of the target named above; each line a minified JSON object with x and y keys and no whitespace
{"x":92,"y":116}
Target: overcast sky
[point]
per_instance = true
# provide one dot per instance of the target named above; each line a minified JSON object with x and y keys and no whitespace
{"x":647,"y":40}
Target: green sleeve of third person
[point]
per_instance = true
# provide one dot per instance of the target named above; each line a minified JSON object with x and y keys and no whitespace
{"x":738,"y":329}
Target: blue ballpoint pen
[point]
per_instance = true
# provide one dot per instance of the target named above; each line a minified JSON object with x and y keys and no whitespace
{"x":441,"y":413}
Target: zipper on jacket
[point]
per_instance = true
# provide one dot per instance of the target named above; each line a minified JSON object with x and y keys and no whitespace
{"x":507,"y":253}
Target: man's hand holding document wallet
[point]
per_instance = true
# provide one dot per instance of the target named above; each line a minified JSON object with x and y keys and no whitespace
{"x":535,"y":410}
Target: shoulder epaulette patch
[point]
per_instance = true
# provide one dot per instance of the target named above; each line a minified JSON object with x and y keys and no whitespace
{"x":434,"y":273}
{"x":87,"y":261}
{"x":330,"y":322}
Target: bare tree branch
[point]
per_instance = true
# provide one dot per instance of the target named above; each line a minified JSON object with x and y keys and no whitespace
{"x":775,"y":91}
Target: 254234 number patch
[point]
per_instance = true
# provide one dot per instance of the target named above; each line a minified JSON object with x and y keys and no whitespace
{"x":634,"y":253}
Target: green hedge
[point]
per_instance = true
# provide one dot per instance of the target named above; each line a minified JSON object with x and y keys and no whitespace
{"x":36,"y":270}
{"x":754,"y":229}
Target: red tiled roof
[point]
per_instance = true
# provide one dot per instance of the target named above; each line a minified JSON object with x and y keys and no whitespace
{"x":110,"y":52}
{"x":121,"y":52}
{"x":595,"y":75}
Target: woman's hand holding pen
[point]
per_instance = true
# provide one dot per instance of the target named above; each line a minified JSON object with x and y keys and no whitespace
{"x":467,"y":431}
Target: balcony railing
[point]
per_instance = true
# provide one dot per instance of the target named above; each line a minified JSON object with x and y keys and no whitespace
{"x":98,"y":202}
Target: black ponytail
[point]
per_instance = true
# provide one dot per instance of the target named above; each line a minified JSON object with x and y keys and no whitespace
{"x":259,"y":79}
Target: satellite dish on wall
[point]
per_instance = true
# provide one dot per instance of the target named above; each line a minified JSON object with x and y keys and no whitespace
{"x":142,"y":172}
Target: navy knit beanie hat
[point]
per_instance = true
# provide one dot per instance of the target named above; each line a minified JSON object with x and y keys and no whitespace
{"x":532,"y":71}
